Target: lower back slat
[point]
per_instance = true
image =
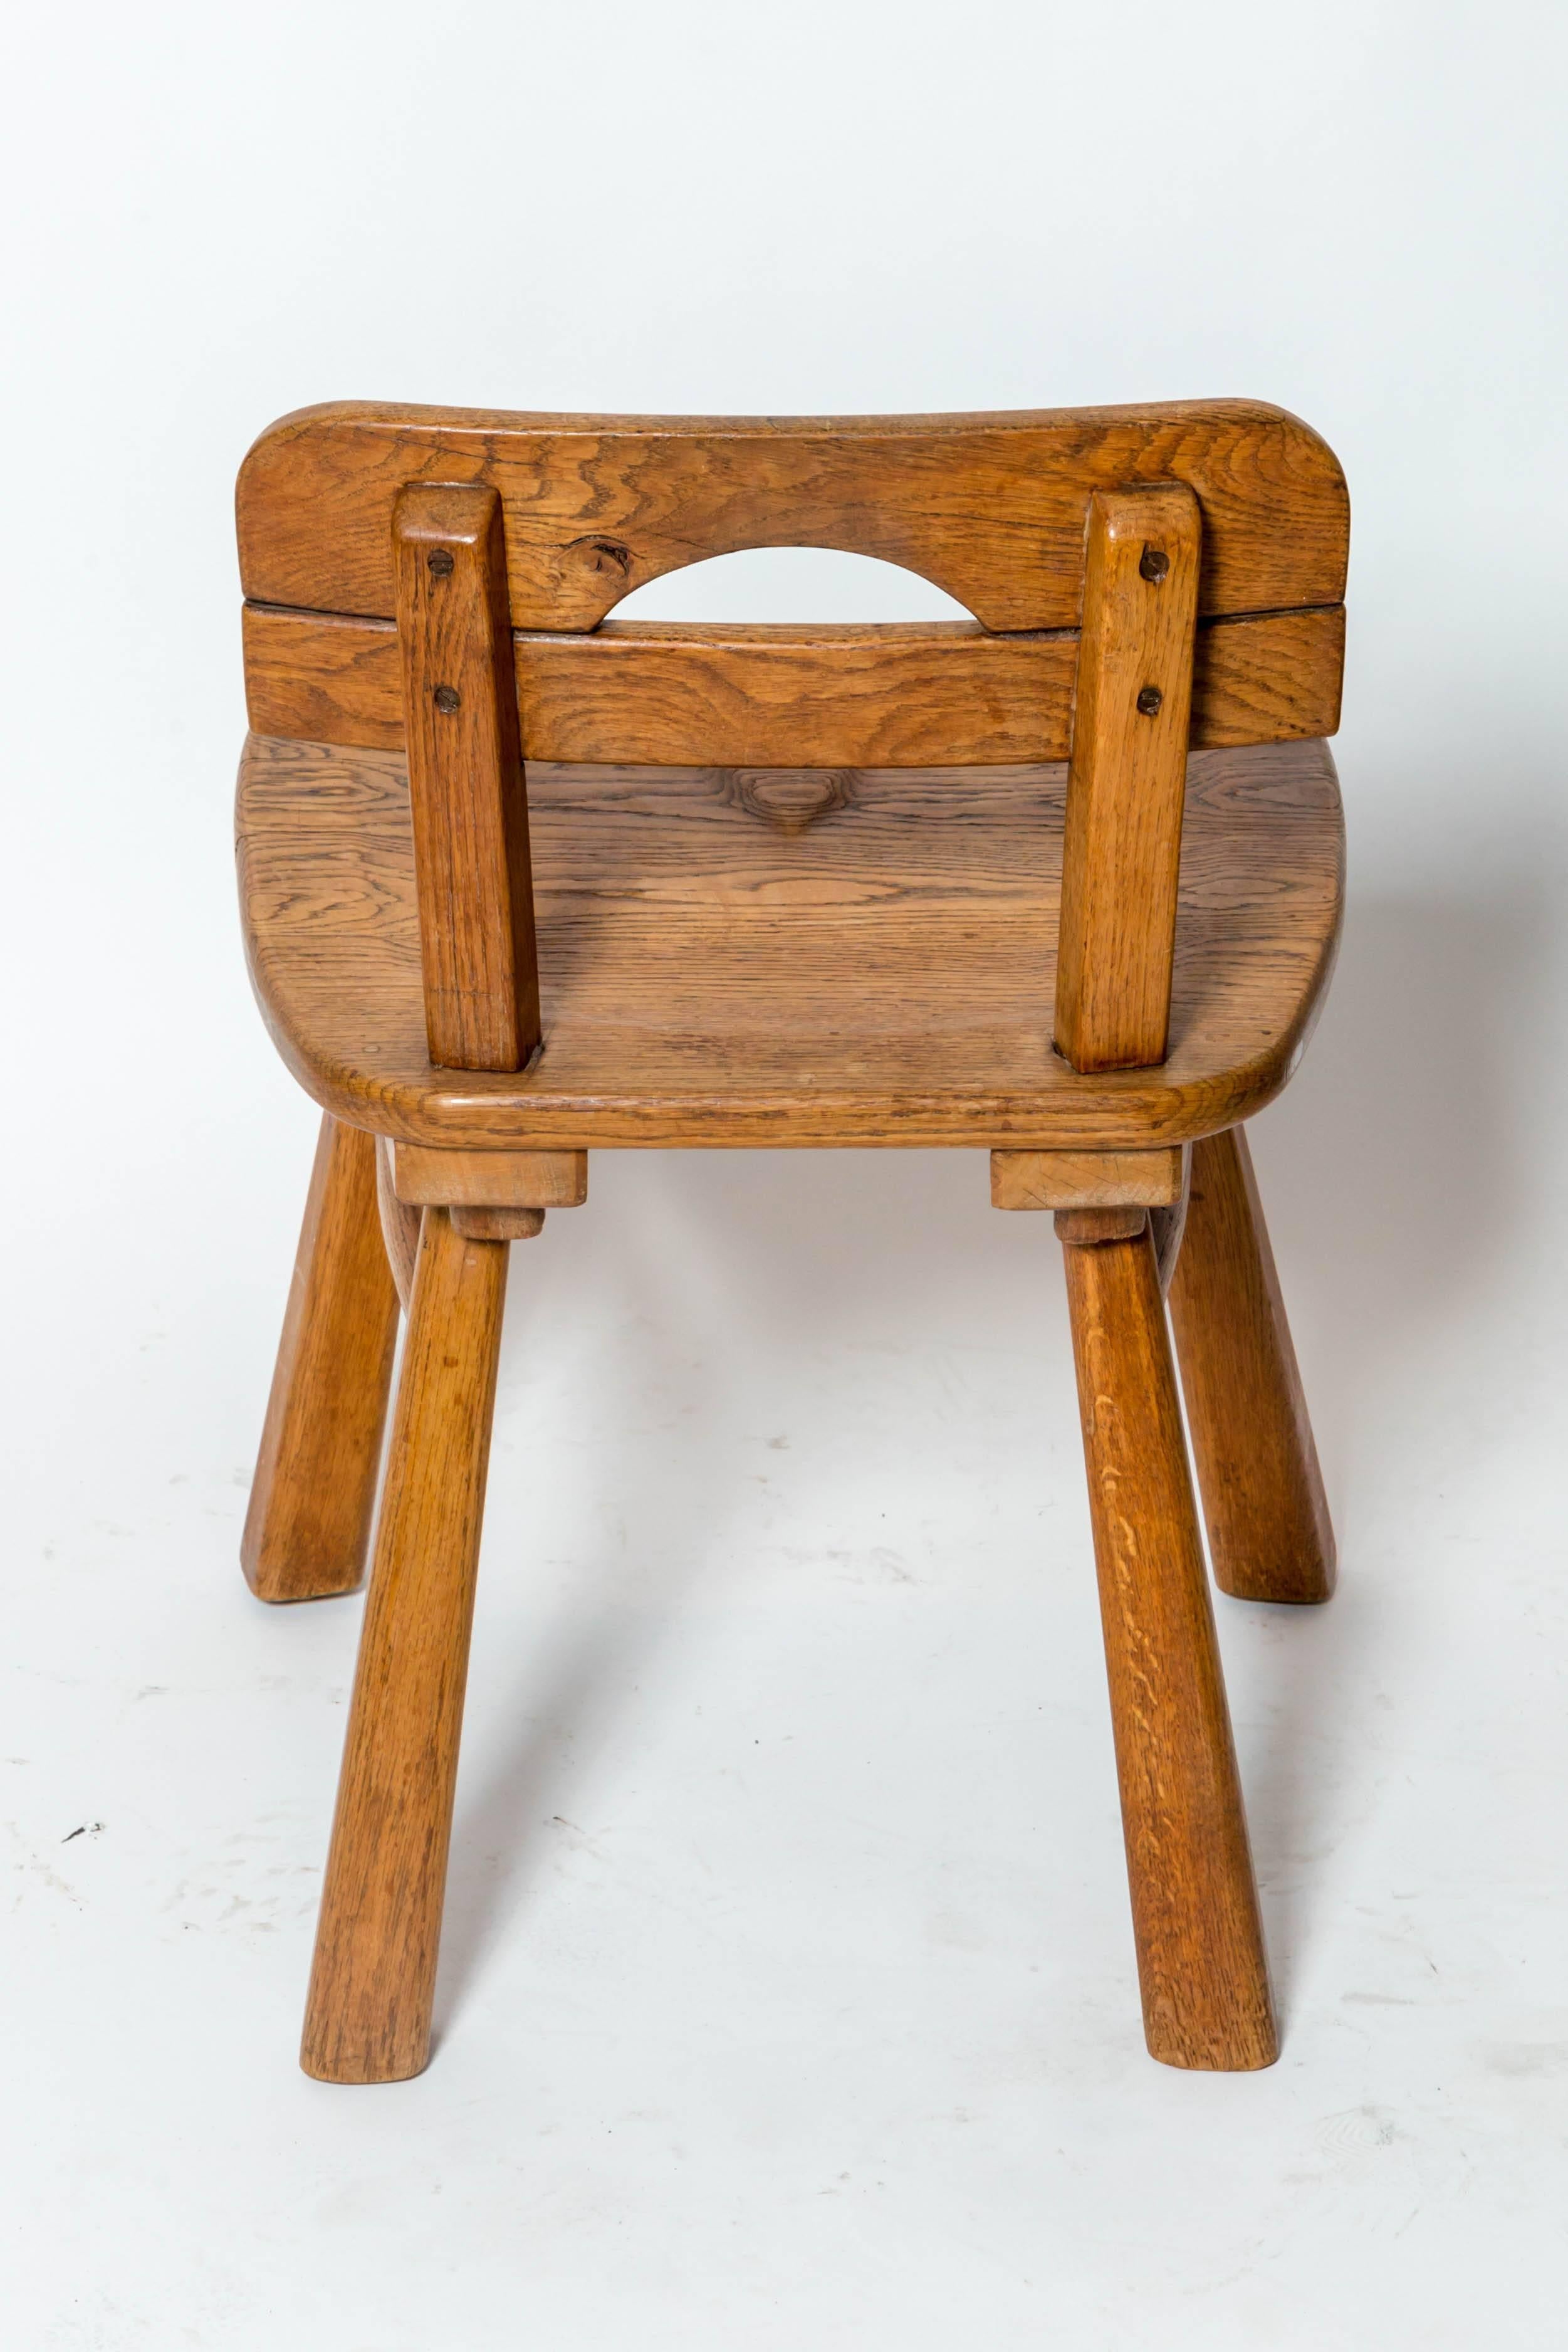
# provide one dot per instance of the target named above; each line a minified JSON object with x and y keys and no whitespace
{"x":938,"y":695}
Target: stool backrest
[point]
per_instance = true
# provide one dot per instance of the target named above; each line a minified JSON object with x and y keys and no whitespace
{"x":357,"y":622}
{"x":990,"y":507}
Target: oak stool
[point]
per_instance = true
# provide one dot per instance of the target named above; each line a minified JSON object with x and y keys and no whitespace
{"x":1061,"y":883}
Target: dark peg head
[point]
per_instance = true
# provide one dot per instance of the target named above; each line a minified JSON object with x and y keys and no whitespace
{"x":1153,"y":564}
{"x":1149,"y":699}
{"x":440,"y":563}
{"x":447,"y":698}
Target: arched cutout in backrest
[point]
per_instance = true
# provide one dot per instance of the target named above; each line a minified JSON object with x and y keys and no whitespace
{"x":990,"y":509}
{"x":819,"y":586}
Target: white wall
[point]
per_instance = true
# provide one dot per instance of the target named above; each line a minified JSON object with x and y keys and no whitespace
{"x":214,"y":215}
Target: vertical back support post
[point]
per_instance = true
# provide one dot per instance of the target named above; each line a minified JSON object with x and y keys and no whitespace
{"x":465,"y":778}
{"x":1127,"y":779}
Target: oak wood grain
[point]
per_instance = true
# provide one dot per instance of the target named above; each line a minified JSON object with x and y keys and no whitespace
{"x":1126,"y":778}
{"x":490,"y":1179}
{"x":478,"y":1224}
{"x":1086,"y":1180}
{"x":990,"y":507}
{"x":1270,"y":1535}
{"x":309,"y":1521}
{"x":667,"y":694}
{"x":884,"y":976}
{"x":368,"y":2015}
{"x":1201,"y":1963}
{"x":465,"y":778}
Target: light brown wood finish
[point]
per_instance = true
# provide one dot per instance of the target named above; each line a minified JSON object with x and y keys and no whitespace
{"x":498,"y":1224}
{"x":1114,"y":1222}
{"x":1127,"y":778}
{"x":669,"y":694}
{"x":490,"y":1179}
{"x":990,"y":507}
{"x":1270,"y":1535}
{"x":712,"y":976}
{"x":1201,"y":1962}
{"x":309,"y":1521}
{"x":465,"y":778}
{"x":367,"y":2018}
{"x":1086,"y":1180}
{"x":400,"y":1225}
{"x":797,"y":886}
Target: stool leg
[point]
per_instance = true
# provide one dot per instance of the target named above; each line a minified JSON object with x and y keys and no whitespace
{"x":308,"y":1524}
{"x":1201,"y":1962}
{"x":1269,"y":1531}
{"x":368,"y":2017}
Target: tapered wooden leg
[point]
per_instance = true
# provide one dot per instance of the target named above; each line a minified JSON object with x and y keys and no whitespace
{"x":1269,"y":1531}
{"x":311,"y":1502}
{"x":367,"y":2018}
{"x":1201,"y":1962}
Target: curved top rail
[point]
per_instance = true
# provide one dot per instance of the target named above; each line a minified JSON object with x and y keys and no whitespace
{"x":989,"y":506}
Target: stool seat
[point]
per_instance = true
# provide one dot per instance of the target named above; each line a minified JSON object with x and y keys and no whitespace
{"x":788,"y":956}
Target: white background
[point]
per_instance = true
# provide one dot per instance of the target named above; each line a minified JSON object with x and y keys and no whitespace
{"x":788,"y":1997}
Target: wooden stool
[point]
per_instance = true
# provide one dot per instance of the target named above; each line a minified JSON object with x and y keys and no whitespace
{"x":807,"y":886}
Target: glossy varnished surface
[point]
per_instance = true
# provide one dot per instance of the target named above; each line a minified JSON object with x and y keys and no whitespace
{"x":744,"y":957}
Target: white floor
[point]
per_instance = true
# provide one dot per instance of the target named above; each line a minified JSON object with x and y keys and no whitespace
{"x":788,"y":1994}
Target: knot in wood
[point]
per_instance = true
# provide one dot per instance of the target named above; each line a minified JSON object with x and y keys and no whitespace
{"x":606,"y":556}
{"x":791,"y":799}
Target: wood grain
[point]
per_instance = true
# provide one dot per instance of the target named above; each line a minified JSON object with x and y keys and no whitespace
{"x":368,"y":2016}
{"x":667,"y":694}
{"x":884,"y":976}
{"x":1201,"y":1963}
{"x":465,"y":778}
{"x":1112,"y":1222}
{"x":400,"y":1225}
{"x":990,"y":507}
{"x":309,"y":1522}
{"x":1269,"y":1534}
{"x":1127,"y":778}
{"x":491,"y":1180}
{"x":1086,"y":1180}
{"x":498,"y":1224}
